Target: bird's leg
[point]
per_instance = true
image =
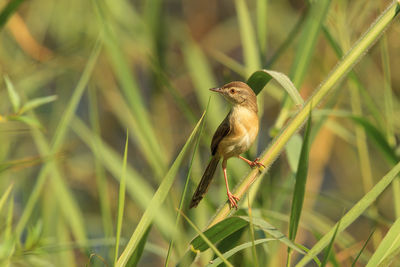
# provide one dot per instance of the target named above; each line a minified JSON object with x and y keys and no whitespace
{"x":255,"y":163}
{"x":232,"y":198}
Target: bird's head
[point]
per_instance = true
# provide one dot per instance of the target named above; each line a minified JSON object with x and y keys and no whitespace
{"x":238,"y":93}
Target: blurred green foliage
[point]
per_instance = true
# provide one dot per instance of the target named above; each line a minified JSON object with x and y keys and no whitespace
{"x":75,"y":75}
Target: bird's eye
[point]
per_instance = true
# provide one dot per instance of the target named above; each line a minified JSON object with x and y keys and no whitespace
{"x":232,"y":91}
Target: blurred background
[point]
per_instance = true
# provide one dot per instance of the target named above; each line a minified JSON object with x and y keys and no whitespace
{"x":85,"y":72}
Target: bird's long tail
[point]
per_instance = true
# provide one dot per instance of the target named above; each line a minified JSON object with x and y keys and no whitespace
{"x":205,"y":181}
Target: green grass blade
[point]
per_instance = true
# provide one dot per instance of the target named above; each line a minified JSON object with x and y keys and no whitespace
{"x":5,"y":195}
{"x":156,"y":202}
{"x":134,"y":259}
{"x":262,"y":8}
{"x":121,"y":199}
{"x":273,"y":231}
{"x":58,"y":138}
{"x":355,"y":212}
{"x":330,"y":246}
{"x":183,"y":197}
{"x":390,"y":243}
{"x":238,"y":248}
{"x":8,"y":10}
{"x":248,"y":37}
{"x":37,"y":102}
{"x":308,"y":40}
{"x":207,"y":241}
{"x":340,"y":71}
{"x":362,"y":249}
{"x":203,"y":79}
{"x":138,"y":187}
{"x":219,"y":232}
{"x":259,"y":79}
{"x":101,"y":178}
{"x":300,"y":186}
{"x":12,"y":94}
{"x":149,"y":146}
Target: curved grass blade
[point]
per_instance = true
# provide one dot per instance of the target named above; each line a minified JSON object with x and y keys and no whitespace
{"x":273,"y":231}
{"x":259,"y":79}
{"x":156,"y":202}
{"x":389,"y":244}
{"x":354,"y":213}
{"x":238,"y":248}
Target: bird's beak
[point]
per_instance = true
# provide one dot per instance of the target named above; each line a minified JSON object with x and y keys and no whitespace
{"x":218,"y":90}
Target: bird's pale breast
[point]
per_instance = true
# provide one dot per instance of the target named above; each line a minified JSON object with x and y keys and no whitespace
{"x":244,"y":130}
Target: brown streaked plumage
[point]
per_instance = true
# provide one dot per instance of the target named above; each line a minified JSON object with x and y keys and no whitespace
{"x":234,"y":136}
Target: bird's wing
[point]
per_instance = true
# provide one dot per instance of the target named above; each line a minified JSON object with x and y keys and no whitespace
{"x":222,"y":131}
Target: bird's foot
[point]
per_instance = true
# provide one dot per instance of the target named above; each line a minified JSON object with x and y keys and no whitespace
{"x":256,"y":163}
{"x":233,"y":200}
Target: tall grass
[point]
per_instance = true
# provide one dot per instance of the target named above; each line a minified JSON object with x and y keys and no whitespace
{"x":76,"y":75}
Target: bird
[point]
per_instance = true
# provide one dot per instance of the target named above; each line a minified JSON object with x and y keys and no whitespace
{"x":233,"y":137}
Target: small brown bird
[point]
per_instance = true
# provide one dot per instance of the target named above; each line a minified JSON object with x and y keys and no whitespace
{"x":234,"y":136}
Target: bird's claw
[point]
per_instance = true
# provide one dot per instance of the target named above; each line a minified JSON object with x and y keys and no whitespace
{"x":256,"y":163}
{"x":233,"y":200}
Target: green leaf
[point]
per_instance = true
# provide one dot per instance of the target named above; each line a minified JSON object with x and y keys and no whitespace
{"x":121,"y":199}
{"x":156,"y":202}
{"x":300,"y":185}
{"x":36,"y":102}
{"x":207,"y":241}
{"x":8,"y":10}
{"x":218,"y":232}
{"x":389,"y":244}
{"x":353,"y":214}
{"x":259,"y":79}
{"x":12,"y":94}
